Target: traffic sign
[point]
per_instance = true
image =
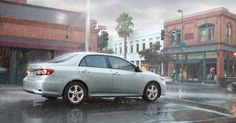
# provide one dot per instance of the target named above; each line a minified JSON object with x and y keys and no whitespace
{"x":182,"y":44}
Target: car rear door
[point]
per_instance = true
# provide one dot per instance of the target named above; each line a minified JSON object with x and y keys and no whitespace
{"x":94,"y":70}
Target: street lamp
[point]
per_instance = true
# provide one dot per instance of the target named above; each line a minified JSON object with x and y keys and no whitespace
{"x":87,"y":38}
{"x":182,"y":39}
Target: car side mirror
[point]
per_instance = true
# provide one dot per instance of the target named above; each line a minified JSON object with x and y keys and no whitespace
{"x":137,"y":69}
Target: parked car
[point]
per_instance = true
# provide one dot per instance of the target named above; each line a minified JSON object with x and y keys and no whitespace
{"x":2,"y":69}
{"x":167,"y":79}
{"x":77,"y":76}
{"x":229,"y":83}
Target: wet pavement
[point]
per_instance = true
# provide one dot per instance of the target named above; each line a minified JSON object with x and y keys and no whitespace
{"x":181,"y":104}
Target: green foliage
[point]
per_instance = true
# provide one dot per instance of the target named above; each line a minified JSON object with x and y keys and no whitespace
{"x":153,"y":56}
{"x":103,"y":40}
{"x":124,"y":27}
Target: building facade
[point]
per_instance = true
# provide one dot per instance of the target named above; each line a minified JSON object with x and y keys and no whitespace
{"x":210,"y":38}
{"x":138,"y":41}
{"x":30,"y":33}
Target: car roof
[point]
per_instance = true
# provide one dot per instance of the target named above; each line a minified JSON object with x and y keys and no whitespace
{"x":94,"y":53}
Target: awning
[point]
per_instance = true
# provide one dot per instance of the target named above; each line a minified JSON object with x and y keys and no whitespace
{"x":193,"y":61}
{"x":12,"y":41}
{"x":189,"y":61}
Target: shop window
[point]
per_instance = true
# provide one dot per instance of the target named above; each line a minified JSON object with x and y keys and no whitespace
{"x":228,"y":33}
{"x":206,"y":32}
{"x":174,"y":37}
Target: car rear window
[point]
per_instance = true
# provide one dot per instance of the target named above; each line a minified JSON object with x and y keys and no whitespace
{"x":62,"y":58}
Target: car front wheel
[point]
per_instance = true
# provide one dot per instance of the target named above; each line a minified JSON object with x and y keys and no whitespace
{"x":74,"y":93}
{"x":151,"y":92}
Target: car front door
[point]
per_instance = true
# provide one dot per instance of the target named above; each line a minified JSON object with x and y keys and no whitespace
{"x":126,"y":81}
{"x":93,"y":69}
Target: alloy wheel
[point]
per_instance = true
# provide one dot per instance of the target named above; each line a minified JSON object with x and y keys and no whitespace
{"x":75,"y":93}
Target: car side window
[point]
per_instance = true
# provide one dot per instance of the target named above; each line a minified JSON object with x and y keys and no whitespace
{"x":94,"y":61}
{"x":118,"y":63}
{"x":83,"y":63}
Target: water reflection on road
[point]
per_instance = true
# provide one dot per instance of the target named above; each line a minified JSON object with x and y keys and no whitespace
{"x":102,"y":111}
{"x":190,"y":104}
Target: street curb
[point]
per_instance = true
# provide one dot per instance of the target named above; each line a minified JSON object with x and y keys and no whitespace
{"x":195,"y":84}
{"x":10,"y":87}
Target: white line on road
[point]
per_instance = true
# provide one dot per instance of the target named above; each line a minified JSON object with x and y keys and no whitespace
{"x":202,"y":109}
{"x":208,"y":110}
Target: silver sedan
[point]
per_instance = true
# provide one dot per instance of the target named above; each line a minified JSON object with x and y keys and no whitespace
{"x":77,"y":76}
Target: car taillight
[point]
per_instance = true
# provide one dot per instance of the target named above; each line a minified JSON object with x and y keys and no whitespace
{"x":41,"y":72}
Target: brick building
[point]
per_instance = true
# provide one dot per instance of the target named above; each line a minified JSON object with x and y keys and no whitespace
{"x":210,"y":42}
{"x":30,"y":33}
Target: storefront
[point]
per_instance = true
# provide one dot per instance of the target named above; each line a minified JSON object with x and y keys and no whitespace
{"x":209,"y":44}
{"x":200,"y":66}
{"x":31,"y":34}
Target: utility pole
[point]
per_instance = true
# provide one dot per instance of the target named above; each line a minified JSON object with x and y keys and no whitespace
{"x":87,"y":38}
{"x":182,"y":39}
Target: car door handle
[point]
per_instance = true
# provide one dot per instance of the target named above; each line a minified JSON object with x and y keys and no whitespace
{"x":85,"y":71}
{"x":116,"y":73}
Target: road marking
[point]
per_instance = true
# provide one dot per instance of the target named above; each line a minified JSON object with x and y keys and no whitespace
{"x":208,"y":110}
{"x":202,"y":109}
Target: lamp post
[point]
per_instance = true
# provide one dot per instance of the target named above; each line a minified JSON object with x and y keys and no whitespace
{"x":87,"y":38}
{"x":182,"y":39}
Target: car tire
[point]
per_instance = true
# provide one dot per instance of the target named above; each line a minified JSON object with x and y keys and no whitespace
{"x":230,"y":87}
{"x":151,"y":92}
{"x":75,"y":93}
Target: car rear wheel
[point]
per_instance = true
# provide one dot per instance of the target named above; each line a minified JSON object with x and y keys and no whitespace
{"x":151,"y":92}
{"x":74,"y":93}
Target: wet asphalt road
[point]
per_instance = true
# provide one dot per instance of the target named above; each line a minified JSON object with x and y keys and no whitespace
{"x":181,"y":104}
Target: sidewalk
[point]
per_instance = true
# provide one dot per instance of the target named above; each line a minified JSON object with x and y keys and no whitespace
{"x":187,"y":83}
{"x":4,"y":87}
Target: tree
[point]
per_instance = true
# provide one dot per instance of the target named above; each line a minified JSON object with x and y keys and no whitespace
{"x":153,"y":56}
{"x":124,"y":28}
{"x":103,"y":41}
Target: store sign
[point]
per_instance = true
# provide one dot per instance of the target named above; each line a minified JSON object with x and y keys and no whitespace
{"x":195,"y":56}
{"x":211,"y":55}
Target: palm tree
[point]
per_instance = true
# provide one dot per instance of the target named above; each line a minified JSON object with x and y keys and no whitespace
{"x":124,"y":28}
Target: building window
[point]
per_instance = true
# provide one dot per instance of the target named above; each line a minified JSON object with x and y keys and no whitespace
{"x":229,"y":33}
{"x":143,"y":46}
{"x":174,"y":37}
{"x":150,"y":44}
{"x":120,"y":50}
{"x":131,"y":49}
{"x":137,"y":48}
{"x":116,"y":50}
{"x":137,"y":63}
{"x":206,"y":32}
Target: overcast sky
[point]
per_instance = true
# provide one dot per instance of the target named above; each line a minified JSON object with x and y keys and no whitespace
{"x":145,"y":13}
